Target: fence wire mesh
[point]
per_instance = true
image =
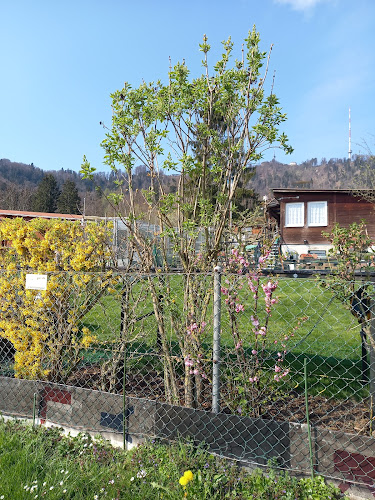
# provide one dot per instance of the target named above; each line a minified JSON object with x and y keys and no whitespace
{"x":133,"y":354}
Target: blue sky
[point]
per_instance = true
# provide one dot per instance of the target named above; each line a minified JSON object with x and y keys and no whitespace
{"x":61,"y":60}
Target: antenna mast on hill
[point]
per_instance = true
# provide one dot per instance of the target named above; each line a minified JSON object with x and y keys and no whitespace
{"x":350,"y":139}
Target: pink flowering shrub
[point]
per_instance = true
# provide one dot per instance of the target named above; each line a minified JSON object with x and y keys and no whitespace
{"x":258,"y":371}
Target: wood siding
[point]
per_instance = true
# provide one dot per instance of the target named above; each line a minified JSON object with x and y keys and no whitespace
{"x":342,"y":207}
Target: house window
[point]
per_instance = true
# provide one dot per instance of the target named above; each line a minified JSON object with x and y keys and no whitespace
{"x":294,"y":215}
{"x":317,"y":213}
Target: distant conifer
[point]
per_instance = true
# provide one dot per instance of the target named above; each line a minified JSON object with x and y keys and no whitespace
{"x":46,"y":196}
{"x":69,"y":201}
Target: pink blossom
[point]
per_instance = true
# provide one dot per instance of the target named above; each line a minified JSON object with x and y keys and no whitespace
{"x":239,"y":308}
{"x":188,"y":362}
{"x":254,"y":321}
{"x":254,"y":352}
{"x":238,"y":345}
{"x":252,"y":287}
{"x":277,"y":378}
{"x":277,"y":369}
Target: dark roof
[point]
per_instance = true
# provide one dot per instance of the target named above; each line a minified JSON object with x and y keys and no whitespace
{"x":297,"y":190}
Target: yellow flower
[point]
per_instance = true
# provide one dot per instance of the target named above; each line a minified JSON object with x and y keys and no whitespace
{"x":183,"y":481}
{"x":189,"y":475}
{"x":186,"y":478}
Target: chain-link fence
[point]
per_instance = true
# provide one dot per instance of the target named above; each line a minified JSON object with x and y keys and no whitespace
{"x":257,"y":368}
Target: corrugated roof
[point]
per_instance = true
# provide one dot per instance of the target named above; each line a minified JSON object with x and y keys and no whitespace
{"x":42,"y":215}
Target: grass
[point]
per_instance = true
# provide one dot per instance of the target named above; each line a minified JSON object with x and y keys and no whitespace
{"x":42,"y":463}
{"x":328,"y":336}
{"x":328,"y":327}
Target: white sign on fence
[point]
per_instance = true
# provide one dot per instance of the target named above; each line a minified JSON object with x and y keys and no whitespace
{"x":36,"y":281}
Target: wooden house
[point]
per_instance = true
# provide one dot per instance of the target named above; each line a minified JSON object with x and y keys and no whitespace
{"x":303,"y":214}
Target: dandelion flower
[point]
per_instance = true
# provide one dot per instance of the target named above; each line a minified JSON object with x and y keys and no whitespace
{"x":189,"y":475}
{"x":186,"y":478}
{"x":183,"y":481}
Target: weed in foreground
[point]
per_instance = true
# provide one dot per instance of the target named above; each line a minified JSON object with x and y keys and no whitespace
{"x":43,"y":463}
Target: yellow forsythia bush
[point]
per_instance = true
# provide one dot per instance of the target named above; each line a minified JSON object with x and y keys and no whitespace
{"x":45,"y":327}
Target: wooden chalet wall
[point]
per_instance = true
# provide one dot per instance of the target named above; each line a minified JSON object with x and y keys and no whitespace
{"x":342,"y":206}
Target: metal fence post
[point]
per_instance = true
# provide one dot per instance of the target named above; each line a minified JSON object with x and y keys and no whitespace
{"x":371,"y":348}
{"x":216,"y":341}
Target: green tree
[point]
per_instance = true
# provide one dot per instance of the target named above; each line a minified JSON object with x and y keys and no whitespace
{"x":69,"y":201}
{"x":45,"y":198}
{"x":208,"y":130}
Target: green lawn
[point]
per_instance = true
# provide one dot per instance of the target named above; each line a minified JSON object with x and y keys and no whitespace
{"x":329,"y":327}
{"x":328,"y":335}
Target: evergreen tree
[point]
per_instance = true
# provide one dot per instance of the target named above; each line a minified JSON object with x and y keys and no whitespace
{"x":47,"y":194}
{"x":69,"y":201}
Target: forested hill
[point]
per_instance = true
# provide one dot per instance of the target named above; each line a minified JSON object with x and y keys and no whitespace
{"x":26,"y":175}
{"x":19,"y":181}
{"x":335,"y":173}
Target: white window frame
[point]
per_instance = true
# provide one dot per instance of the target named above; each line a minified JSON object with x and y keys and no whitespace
{"x":323,"y":216}
{"x":301,"y":217}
